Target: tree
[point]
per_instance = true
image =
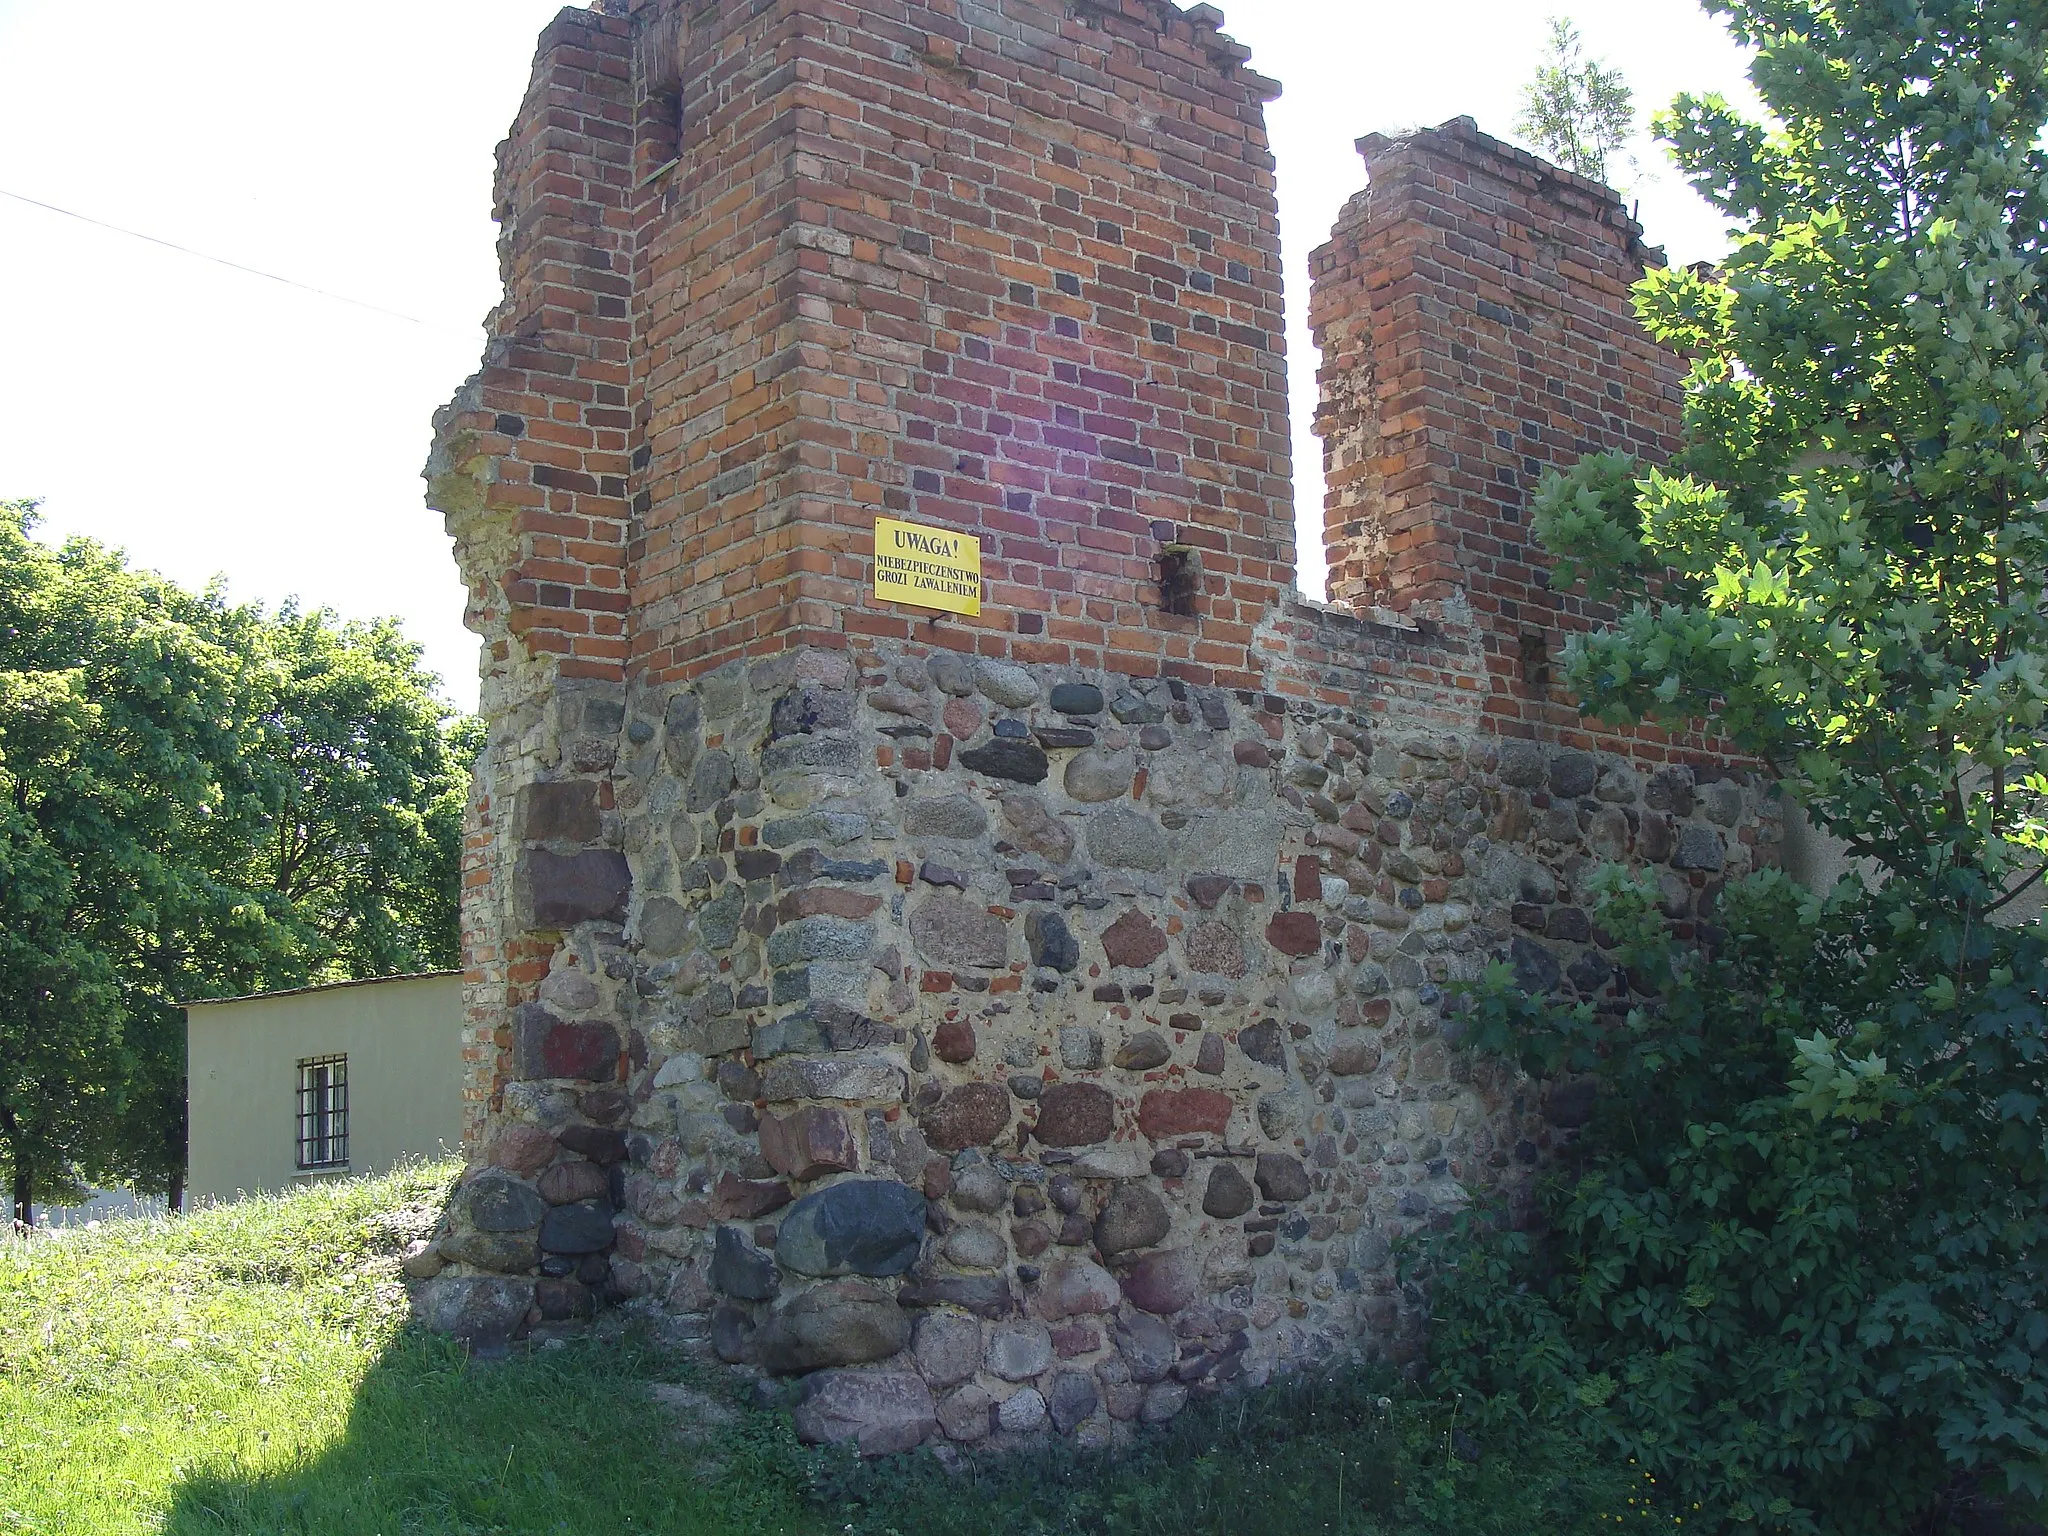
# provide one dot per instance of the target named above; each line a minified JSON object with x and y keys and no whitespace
{"x":203,"y":800}
{"x":1846,"y":566}
{"x":1576,"y":110}
{"x":355,"y":788}
{"x":1798,"y":1264}
{"x":114,"y":708}
{"x":336,"y":854}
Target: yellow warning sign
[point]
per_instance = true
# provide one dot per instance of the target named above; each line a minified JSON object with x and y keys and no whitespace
{"x":927,"y":567}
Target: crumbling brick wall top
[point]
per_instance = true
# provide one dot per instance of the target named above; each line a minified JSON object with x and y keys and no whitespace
{"x":1473,"y":309}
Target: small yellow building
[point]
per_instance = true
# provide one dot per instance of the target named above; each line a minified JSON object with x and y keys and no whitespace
{"x":322,"y":1082}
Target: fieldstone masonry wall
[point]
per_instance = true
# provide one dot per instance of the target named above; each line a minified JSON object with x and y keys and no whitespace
{"x":1010,"y":1027}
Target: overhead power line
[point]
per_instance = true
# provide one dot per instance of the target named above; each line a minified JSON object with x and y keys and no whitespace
{"x":234,"y":266}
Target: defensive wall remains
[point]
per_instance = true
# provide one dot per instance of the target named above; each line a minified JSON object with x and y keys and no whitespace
{"x":1011,"y":1024}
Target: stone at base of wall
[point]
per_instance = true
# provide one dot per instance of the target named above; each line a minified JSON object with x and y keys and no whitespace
{"x":485,"y":1312}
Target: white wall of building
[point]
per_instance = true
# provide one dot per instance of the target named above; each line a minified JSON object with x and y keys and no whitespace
{"x":403,"y":1041}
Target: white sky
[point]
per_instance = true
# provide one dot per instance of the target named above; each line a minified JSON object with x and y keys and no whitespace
{"x":213,"y":422}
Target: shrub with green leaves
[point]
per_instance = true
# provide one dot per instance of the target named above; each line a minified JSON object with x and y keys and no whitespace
{"x":1796,"y":1261}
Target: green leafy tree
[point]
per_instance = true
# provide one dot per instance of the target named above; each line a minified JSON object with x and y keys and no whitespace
{"x":356,"y":785}
{"x":201,"y":801}
{"x":115,"y":707}
{"x":1800,"y":1263}
{"x":1576,"y":110}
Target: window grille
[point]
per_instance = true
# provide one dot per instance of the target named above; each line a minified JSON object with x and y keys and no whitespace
{"x":323,"y":1112}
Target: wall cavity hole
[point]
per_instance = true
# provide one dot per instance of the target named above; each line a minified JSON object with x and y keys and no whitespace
{"x":1180,"y":579}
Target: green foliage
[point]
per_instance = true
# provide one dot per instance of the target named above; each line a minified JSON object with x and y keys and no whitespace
{"x":1795,"y":1264}
{"x":115,"y":705}
{"x":1845,"y":568}
{"x":1576,"y":110}
{"x":350,"y":798}
{"x":195,"y":801}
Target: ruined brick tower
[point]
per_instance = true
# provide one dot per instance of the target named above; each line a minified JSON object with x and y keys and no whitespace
{"x":1010,"y":1024}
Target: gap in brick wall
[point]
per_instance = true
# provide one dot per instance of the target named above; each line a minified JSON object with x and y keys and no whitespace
{"x":1311,"y":567}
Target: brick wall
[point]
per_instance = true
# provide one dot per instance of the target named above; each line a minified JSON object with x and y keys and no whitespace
{"x":722,"y":332}
{"x":1473,"y":312}
{"x":529,"y":470}
{"x":1009,"y":268}
{"x":531,"y":457}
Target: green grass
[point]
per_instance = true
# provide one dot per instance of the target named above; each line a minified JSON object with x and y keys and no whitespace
{"x":248,"y":1370}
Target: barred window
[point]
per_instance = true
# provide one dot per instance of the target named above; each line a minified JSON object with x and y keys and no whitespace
{"x":323,"y":1112}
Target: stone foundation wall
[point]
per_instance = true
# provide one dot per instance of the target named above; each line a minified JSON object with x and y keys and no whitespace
{"x":1000,"y":1047}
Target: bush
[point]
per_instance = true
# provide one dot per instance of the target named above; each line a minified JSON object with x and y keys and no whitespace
{"x":1800,"y":1280}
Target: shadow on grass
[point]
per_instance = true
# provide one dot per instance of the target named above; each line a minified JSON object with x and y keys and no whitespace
{"x":1308,"y":1456}
{"x":571,"y":1440}
{"x":558,"y":1440}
